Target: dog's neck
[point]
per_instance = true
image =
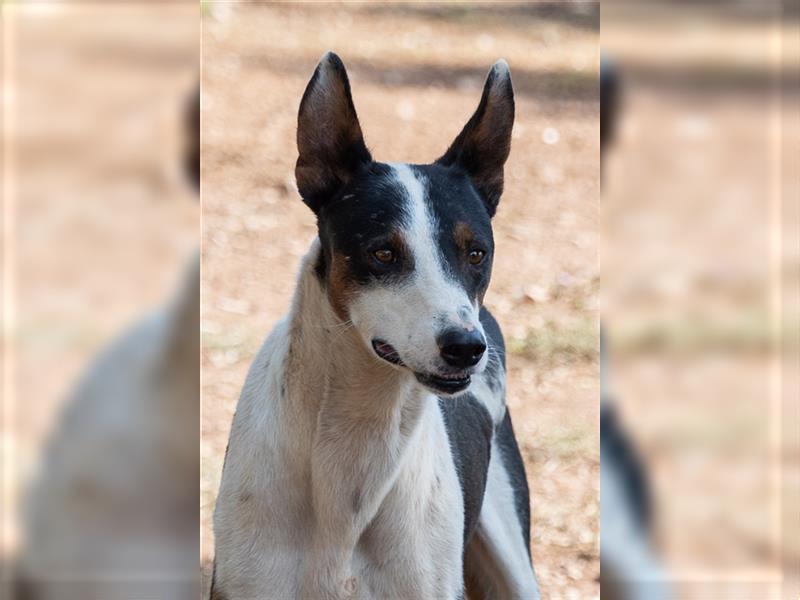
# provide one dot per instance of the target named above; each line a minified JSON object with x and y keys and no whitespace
{"x":331,"y":367}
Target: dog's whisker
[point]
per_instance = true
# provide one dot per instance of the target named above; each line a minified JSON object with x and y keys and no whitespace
{"x":342,"y":329}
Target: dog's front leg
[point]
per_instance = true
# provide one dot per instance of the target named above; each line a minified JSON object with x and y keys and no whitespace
{"x":355,"y":461}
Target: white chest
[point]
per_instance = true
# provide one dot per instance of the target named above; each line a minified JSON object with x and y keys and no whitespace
{"x":413,"y":547}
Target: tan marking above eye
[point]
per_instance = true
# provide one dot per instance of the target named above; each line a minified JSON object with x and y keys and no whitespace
{"x":463,"y":235}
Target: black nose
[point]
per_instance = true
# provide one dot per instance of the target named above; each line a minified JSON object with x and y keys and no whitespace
{"x":461,"y":348}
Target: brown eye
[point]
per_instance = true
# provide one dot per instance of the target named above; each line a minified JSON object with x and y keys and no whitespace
{"x":384,"y":255}
{"x":476,"y":257}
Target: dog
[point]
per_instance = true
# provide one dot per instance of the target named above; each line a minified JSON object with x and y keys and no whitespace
{"x":113,"y":511}
{"x":372,"y":454}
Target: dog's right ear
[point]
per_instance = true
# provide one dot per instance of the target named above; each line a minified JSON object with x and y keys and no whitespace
{"x":329,"y":138}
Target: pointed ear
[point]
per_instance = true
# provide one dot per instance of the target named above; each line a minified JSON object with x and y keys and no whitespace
{"x":329,"y":138}
{"x":482,"y":147}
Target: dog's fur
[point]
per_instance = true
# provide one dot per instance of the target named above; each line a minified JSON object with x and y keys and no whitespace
{"x":361,"y":462}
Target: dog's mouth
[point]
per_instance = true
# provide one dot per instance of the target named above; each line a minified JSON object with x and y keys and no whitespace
{"x":443,"y":384}
{"x":387,"y":352}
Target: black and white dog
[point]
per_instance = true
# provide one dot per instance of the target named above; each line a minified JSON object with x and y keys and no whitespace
{"x":372,"y":454}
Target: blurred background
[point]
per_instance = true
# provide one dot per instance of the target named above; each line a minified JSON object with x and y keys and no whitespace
{"x":416,"y":73}
{"x":699,"y":252}
{"x":700,"y":271}
{"x":100,"y":224}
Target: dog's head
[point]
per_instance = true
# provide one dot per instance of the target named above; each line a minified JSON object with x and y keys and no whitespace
{"x":406,"y":249}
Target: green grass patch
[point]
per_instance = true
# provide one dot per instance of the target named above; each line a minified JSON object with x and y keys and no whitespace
{"x":554,"y":342}
{"x":749,"y":333}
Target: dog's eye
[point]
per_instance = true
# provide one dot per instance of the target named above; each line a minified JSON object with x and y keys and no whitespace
{"x":476,"y":257}
{"x":384,"y":255}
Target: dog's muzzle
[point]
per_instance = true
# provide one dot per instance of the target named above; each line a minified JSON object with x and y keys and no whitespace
{"x":449,"y":384}
{"x":446,"y":383}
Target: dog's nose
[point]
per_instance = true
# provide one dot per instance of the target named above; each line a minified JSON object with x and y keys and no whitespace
{"x":461,"y":348}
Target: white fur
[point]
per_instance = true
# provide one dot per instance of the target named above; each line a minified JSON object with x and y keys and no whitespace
{"x":497,"y":556}
{"x":339,"y":481}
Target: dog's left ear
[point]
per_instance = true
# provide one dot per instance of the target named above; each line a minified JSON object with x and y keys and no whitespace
{"x":482,"y":147}
{"x":329,"y":138}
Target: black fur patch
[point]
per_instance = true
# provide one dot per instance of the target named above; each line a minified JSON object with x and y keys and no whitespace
{"x":609,"y":102}
{"x":216,"y":593}
{"x":191,"y":153}
{"x":370,"y":211}
{"x":469,"y":429}
{"x":515,"y":467}
{"x":363,"y":217}
{"x":618,"y":452}
{"x":454,"y":202}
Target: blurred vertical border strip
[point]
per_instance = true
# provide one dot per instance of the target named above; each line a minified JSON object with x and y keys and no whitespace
{"x":755,"y":57}
{"x":775,"y":274}
{"x":7,"y":16}
{"x":787,"y":174}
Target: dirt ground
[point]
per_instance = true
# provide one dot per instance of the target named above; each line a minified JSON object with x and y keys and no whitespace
{"x":416,"y":74}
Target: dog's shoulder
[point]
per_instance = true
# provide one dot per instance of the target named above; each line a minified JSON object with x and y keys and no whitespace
{"x":469,"y":430}
{"x":256,"y":415}
{"x":489,"y":387}
{"x":511,"y":459}
{"x":471,"y":421}
{"x":267,"y":373}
